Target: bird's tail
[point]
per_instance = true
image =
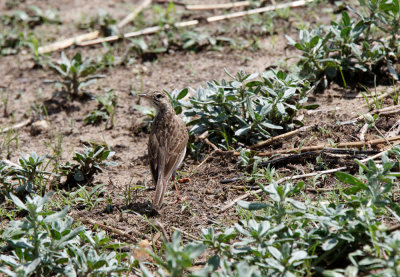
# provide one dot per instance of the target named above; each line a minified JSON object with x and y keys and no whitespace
{"x":159,"y":195}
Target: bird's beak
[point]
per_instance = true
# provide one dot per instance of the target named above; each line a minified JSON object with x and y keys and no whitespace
{"x":144,"y":95}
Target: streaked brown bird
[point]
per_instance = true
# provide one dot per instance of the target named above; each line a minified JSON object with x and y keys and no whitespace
{"x":167,"y":144}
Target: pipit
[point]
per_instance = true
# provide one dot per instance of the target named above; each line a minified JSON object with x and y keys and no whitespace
{"x":167,"y":143}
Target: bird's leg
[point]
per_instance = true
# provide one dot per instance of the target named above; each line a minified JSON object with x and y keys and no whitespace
{"x":178,"y":199}
{"x":173,"y":179}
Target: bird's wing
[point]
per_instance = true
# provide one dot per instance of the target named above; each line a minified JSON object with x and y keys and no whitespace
{"x":176,"y":149}
{"x":154,"y":156}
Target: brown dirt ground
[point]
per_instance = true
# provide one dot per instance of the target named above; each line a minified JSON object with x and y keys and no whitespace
{"x":204,"y":193}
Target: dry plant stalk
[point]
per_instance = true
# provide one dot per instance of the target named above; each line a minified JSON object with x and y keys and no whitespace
{"x":62,"y":44}
{"x":217,"y":6}
{"x":322,"y":146}
{"x":154,"y":29}
{"x":18,"y":125}
{"x":109,"y":228}
{"x":285,"y":135}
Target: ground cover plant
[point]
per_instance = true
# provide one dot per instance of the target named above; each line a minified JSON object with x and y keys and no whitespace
{"x":351,"y":48}
{"x":281,"y":178}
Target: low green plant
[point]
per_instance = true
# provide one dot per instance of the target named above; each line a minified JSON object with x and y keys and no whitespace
{"x":32,"y":17}
{"x":75,"y":73}
{"x":247,"y":109}
{"x":30,"y":173}
{"x":39,"y":59}
{"x":107,"y":104}
{"x":6,"y":174}
{"x":350,"y":48}
{"x":9,"y":142}
{"x":176,"y":258}
{"x":368,"y":96}
{"x":102,"y":21}
{"x":5,"y":97}
{"x":165,"y":16}
{"x":11,"y":41}
{"x":144,"y":50}
{"x":87,"y":164}
{"x":47,"y":243}
{"x":88,"y":199}
{"x":290,"y":235}
{"x":131,"y":191}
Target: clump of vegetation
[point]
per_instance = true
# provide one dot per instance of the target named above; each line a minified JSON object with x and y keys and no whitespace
{"x":48,"y":243}
{"x":290,"y":237}
{"x":32,"y":17}
{"x":75,"y":74}
{"x":105,"y":109}
{"x":25,"y":177}
{"x":88,"y":164}
{"x":102,"y":21}
{"x":12,"y":41}
{"x":247,"y":109}
{"x":16,"y":28}
{"x":350,"y":48}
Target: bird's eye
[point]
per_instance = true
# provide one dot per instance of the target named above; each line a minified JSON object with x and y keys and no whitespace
{"x":158,"y":96}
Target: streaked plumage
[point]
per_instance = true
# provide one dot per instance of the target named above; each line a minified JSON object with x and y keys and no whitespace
{"x":167,"y":144}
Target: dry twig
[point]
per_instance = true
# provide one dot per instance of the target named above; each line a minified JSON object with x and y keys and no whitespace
{"x":259,"y":10}
{"x":185,"y":233}
{"x":154,"y":29}
{"x":58,"y":45}
{"x":111,"y":229}
{"x":217,"y":6}
{"x":18,"y":125}
{"x":357,"y":144}
{"x":283,"y":136}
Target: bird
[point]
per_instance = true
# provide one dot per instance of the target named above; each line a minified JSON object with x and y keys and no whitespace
{"x":167,"y":144}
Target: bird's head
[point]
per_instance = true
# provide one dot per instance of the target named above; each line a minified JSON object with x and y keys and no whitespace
{"x":159,"y":99}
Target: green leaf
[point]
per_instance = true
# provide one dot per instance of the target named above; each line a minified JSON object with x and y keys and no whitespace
{"x":32,"y":266}
{"x":56,"y":216}
{"x":182,"y":93}
{"x":330,"y":244}
{"x":331,"y":273}
{"x":350,"y":179}
{"x":251,"y":206}
{"x":18,"y":202}
{"x":145,"y":271}
{"x":242,"y":131}
{"x":195,"y":250}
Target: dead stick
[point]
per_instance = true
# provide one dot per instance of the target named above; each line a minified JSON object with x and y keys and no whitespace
{"x":285,"y":135}
{"x":247,"y":194}
{"x":259,"y":10}
{"x":217,"y":6}
{"x":158,"y":224}
{"x":322,"y":146}
{"x":185,"y":233}
{"x":133,"y":14}
{"x":18,"y":125}
{"x":380,"y":111}
{"x":154,"y":29}
{"x":146,"y":31}
{"x":62,"y":44}
{"x":383,"y":111}
{"x":380,"y":154}
{"x":205,"y":160}
{"x":109,"y":228}
{"x":89,"y":36}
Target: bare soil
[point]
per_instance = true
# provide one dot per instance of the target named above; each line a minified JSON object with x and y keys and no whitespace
{"x":205,"y":194}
